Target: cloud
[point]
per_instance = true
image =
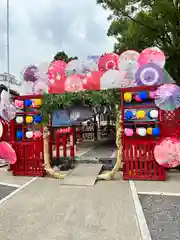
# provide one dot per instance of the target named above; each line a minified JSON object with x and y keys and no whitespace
{"x":39,"y":29}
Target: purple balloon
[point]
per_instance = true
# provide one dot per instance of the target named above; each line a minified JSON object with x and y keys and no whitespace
{"x":149,"y":74}
{"x":30,"y":74}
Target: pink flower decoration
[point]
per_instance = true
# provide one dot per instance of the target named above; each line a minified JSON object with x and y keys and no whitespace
{"x":167,"y":153}
{"x":7,"y":153}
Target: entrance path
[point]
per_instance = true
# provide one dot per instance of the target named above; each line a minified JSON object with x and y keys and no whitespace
{"x":46,"y":210}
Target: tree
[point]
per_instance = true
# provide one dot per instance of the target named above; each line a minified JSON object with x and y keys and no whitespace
{"x":138,"y":24}
{"x":64,"y":57}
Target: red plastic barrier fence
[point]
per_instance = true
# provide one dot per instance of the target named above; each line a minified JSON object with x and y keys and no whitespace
{"x":30,"y":159}
{"x":139,"y":162}
{"x":63,"y":137}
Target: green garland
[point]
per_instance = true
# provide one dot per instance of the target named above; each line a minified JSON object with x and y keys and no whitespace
{"x":53,"y":102}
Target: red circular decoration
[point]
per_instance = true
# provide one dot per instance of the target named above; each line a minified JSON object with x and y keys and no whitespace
{"x":108,"y":61}
{"x":152,"y":55}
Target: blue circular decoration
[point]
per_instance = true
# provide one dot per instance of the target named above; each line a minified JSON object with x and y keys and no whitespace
{"x":143,"y":95}
{"x":155,"y":132}
{"x":38,"y":118}
{"x":128,"y":115}
{"x":28,"y":103}
{"x":19,"y":134}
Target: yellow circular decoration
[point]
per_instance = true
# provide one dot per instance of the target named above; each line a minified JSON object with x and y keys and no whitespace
{"x":140,"y":114}
{"x":127,"y":97}
{"x":29,"y":119}
{"x":149,"y":131}
{"x":38,"y":102}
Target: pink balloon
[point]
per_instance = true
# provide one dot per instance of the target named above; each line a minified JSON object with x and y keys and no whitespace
{"x":7,"y":153}
{"x":37,"y":134}
{"x":138,"y":99}
{"x":19,"y":104}
{"x":128,"y":132}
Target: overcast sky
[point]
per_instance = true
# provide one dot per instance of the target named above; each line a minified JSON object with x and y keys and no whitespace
{"x":40,"y":28}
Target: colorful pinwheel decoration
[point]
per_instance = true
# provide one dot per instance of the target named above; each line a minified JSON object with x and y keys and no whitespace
{"x":167,"y":97}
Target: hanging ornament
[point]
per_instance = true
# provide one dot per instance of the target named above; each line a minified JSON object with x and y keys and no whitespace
{"x":168,"y":97}
{"x":149,"y":75}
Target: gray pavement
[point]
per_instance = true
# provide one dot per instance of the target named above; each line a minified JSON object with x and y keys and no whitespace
{"x":5,"y":190}
{"x":45,"y":210}
{"x":162,"y":214}
{"x":103,"y":149}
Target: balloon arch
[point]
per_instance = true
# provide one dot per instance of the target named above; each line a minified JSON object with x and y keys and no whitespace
{"x":129,"y":72}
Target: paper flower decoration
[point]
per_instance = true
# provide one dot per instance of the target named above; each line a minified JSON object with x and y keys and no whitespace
{"x":7,"y":153}
{"x":167,"y":153}
{"x":168,"y":97}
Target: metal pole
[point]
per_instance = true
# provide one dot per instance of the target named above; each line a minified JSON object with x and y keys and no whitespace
{"x":8,"y":64}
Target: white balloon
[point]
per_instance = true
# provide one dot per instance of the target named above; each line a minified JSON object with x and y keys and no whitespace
{"x":1,"y":129}
{"x":29,"y":134}
{"x":19,"y":120}
{"x":154,"y":113}
{"x":142,"y":132}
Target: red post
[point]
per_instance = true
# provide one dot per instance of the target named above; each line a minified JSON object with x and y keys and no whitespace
{"x":72,"y":142}
{"x":64,"y":143}
{"x":57,"y":147}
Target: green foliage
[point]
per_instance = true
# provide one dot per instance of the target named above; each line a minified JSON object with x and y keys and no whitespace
{"x":137,"y":24}
{"x":63,"y":56}
{"x":52,"y":102}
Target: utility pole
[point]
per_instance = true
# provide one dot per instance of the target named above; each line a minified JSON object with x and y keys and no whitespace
{"x":7,"y":45}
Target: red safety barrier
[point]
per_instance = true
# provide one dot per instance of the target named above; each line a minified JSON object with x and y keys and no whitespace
{"x":139,"y":162}
{"x":30,"y":159}
{"x":64,"y":136}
